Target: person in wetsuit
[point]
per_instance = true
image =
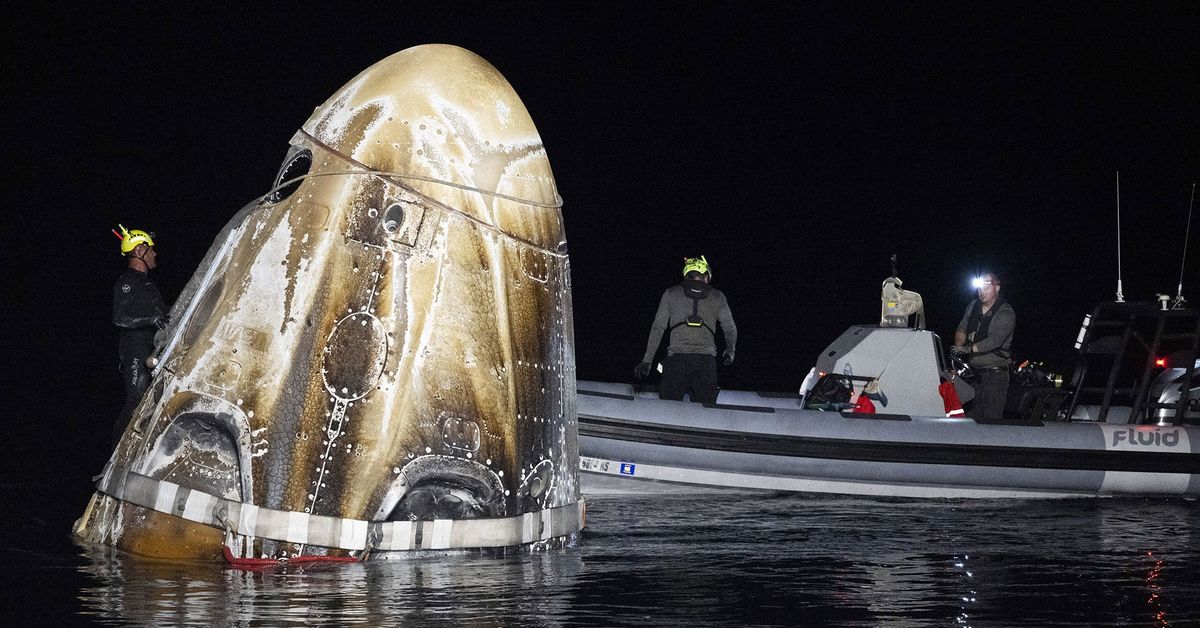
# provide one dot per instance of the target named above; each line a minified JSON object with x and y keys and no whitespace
{"x":984,"y":338}
{"x":138,"y":312}
{"x":690,"y":311}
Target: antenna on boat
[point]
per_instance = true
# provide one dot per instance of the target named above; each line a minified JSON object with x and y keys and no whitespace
{"x":894,"y":255}
{"x":1120,"y":297}
{"x":1179,"y":300}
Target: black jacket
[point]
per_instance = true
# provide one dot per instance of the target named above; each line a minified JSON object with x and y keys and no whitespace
{"x":137,"y":307}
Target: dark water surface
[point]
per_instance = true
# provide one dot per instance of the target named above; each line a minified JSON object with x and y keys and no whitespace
{"x":741,"y":559}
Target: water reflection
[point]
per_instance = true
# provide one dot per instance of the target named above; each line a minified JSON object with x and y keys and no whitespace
{"x":968,"y":599}
{"x":1159,"y":538}
{"x":460,"y":589}
{"x":756,"y":559}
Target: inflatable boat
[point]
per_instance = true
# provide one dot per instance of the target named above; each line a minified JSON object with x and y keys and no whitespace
{"x":1125,"y":423}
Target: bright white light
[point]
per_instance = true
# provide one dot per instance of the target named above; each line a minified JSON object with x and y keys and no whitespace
{"x":977,"y":283}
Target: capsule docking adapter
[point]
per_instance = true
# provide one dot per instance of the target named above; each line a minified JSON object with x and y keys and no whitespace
{"x":375,"y":356}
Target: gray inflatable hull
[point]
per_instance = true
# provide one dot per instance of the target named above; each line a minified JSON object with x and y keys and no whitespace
{"x":635,"y":442}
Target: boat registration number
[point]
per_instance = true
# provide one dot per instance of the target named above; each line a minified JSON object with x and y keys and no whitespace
{"x":607,"y":466}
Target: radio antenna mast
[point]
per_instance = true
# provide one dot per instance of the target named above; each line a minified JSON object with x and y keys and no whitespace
{"x":1120,"y":297}
{"x":1179,"y":300}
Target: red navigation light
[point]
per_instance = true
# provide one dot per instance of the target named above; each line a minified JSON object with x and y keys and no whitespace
{"x":1160,"y":362}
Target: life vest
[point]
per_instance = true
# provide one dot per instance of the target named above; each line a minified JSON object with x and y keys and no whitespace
{"x":978,"y":323}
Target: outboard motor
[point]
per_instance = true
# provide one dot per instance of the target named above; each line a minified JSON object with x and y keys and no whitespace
{"x":1166,"y":389}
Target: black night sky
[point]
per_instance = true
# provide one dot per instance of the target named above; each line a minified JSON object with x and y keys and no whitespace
{"x":797,"y":148}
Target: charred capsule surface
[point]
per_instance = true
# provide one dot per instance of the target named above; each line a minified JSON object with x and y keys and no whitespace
{"x":378,"y":355}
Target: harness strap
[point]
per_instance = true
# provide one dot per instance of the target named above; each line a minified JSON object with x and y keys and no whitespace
{"x":240,"y":518}
{"x":704,"y":325}
{"x":695,"y":314}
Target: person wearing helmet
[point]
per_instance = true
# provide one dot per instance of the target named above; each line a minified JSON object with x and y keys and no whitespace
{"x":690,"y":311}
{"x":138,"y":312}
{"x":984,"y":339}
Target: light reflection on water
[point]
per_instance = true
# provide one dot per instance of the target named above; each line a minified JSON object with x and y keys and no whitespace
{"x":454,"y":588}
{"x":740,"y":559}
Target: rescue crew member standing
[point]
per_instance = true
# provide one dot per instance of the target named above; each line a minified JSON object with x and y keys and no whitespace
{"x":984,"y":338}
{"x":690,"y":311}
{"x":138,"y":312}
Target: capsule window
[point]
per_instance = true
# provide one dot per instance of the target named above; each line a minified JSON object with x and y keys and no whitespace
{"x":393,"y":218}
{"x":297,"y":164}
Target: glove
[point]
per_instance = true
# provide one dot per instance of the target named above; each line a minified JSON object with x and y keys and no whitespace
{"x":642,"y":369}
{"x":162,"y":321}
{"x":956,"y":350}
{"x":728,"y":358}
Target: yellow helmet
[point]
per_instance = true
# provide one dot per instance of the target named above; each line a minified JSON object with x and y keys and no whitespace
{"x":697,"y":264}
{"x":132,"y":238}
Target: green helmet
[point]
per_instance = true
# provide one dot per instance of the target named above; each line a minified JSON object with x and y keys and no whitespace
{"x":697,"y":264}
{"x":133,"y":238}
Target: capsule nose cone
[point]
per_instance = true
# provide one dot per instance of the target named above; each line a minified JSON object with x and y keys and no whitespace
{"x":440,"y":114}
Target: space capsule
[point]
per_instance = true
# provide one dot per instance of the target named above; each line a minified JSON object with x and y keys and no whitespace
{"x":375,"y":357}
